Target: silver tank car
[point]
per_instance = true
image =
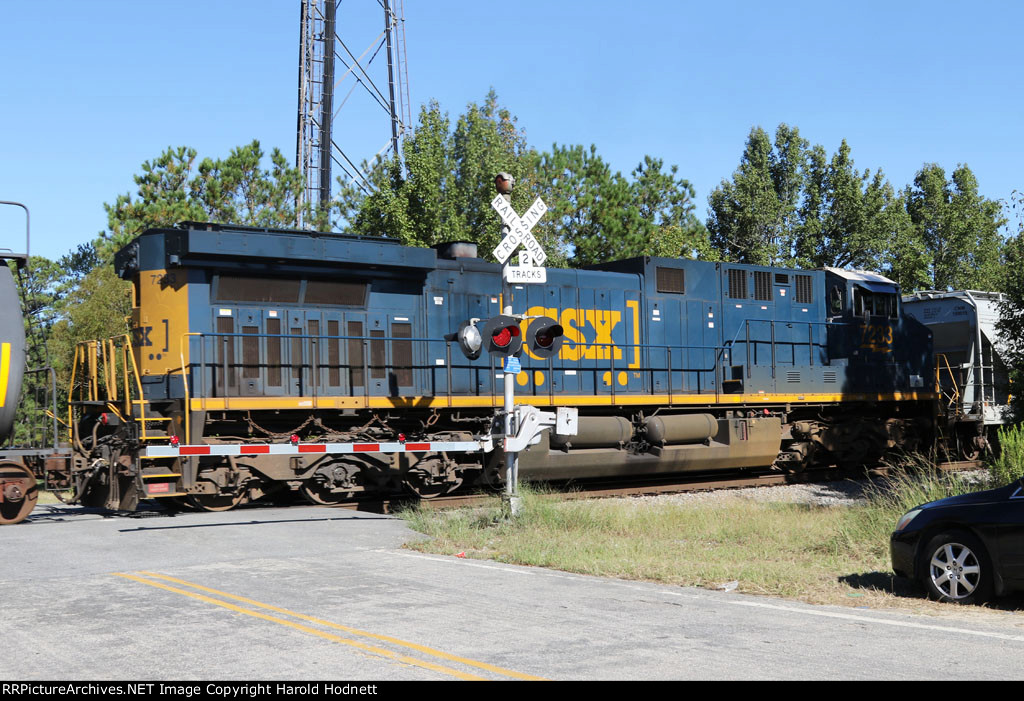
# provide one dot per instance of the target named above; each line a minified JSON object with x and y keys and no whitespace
{"x":12,"y":351}
{"x":18,"y":492}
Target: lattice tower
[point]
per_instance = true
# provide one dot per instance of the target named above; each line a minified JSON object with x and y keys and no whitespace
{"x":324,"y":91}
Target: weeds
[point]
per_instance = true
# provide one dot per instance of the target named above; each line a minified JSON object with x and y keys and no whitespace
{"x":1008,"y":465}
{"x":811,"y":552}
{"x":867,"y":526}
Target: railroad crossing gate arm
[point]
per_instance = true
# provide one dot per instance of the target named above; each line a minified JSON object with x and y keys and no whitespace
{"x":531,"y":421}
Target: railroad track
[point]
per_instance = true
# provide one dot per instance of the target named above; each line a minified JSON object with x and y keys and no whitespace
{"x":648,"y":487}
{"x":598,"y":489}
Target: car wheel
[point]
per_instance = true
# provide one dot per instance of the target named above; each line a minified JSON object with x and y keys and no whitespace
{"x":955,"y":567}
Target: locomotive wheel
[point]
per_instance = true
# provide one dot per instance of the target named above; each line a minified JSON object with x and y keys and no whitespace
{"x":316,"y":492}
{"x":18,"y":492}
{"x":970,"y":448}
{"x":216,"y":502}
{"x":969,"y":453}
{"x":421,"y":483}
{"x":331,"y":482}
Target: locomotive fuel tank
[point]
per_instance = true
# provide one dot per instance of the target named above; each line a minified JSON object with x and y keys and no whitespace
{"x":597,"y":432}
{"x":689,"y":428}
{"x":666,"y":444}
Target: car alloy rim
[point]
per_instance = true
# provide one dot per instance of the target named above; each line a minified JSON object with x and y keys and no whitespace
{"x":955,"y":570}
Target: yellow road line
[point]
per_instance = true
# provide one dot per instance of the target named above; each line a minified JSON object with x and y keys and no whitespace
{"x":354,"y":631}
{"x":306,"y":629}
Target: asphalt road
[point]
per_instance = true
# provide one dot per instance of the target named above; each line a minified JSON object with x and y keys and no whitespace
{"x":326,"y":594}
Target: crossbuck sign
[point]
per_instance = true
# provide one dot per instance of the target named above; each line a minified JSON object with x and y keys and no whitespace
{"x":519,"y":230}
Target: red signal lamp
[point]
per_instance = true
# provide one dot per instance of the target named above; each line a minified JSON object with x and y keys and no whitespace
{"x":502,"y":335}
{"x":544,"y":337}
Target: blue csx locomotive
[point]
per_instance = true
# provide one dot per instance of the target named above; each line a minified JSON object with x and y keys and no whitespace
{"x":259,"y":338}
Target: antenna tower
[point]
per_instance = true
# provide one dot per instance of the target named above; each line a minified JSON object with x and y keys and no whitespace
{"x":324,"y":90}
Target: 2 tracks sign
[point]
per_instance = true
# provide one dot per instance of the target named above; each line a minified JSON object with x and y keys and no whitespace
{"x":519,"y":235}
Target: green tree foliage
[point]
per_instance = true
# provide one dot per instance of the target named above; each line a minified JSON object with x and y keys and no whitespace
{"x":1011,"y":310}
{"x":853,"y":219}
{"x":959,"y":228}
{"x":97,"y":308}
{"x":588,"y":205}
{"x":44,"y":288}
{"x":836,"y":232}
{"x":88,"y":301}
{"x":788,"y":203}
{"x":751,"y":216}
{"x":600,"y":215}
{"x":906,"y":257}
{"x":441,"y":189}
{"x":232,"y":190}
{"x":162,"y":198}
{"x":39,"y":287}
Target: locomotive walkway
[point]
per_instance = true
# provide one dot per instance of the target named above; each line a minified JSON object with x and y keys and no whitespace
{"x":317,"y":594}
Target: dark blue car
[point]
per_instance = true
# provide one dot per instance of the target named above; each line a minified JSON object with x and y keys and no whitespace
{"x":965,"y":548}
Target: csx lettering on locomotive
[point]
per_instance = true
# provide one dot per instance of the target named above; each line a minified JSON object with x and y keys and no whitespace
{"x":588,"y":332}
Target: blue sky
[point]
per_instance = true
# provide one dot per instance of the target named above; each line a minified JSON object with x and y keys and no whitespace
{"x":89,"y":90}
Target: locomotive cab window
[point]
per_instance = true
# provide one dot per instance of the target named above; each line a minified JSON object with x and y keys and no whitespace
{"x":866,"y":303}
{"x":835,"y":300}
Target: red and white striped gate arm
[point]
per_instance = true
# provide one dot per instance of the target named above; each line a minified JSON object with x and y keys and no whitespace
{"x":232,"y":449}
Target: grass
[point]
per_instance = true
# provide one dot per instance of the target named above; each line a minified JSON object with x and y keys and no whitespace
{"x":1009,"y":464}
{"x":47,"y":497}
{"x":818,"y":554}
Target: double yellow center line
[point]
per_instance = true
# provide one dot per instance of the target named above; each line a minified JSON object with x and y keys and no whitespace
{"x":148,"y":577}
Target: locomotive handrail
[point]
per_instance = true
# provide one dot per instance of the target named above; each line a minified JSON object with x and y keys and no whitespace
{"x":306,"y":361}
{"x":184,"y":382}
{"x":748,"y":341}
{"x":124,"y":392}
{"x":305,"y":353}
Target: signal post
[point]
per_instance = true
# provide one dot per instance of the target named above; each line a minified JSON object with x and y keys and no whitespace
{"x":501,"y":335}
{"x":511,"y":240}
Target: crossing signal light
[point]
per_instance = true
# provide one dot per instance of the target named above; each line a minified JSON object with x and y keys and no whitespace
{"x":501,"y":335}
{"x":544,"y":337}
{"x":469,"y":339}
